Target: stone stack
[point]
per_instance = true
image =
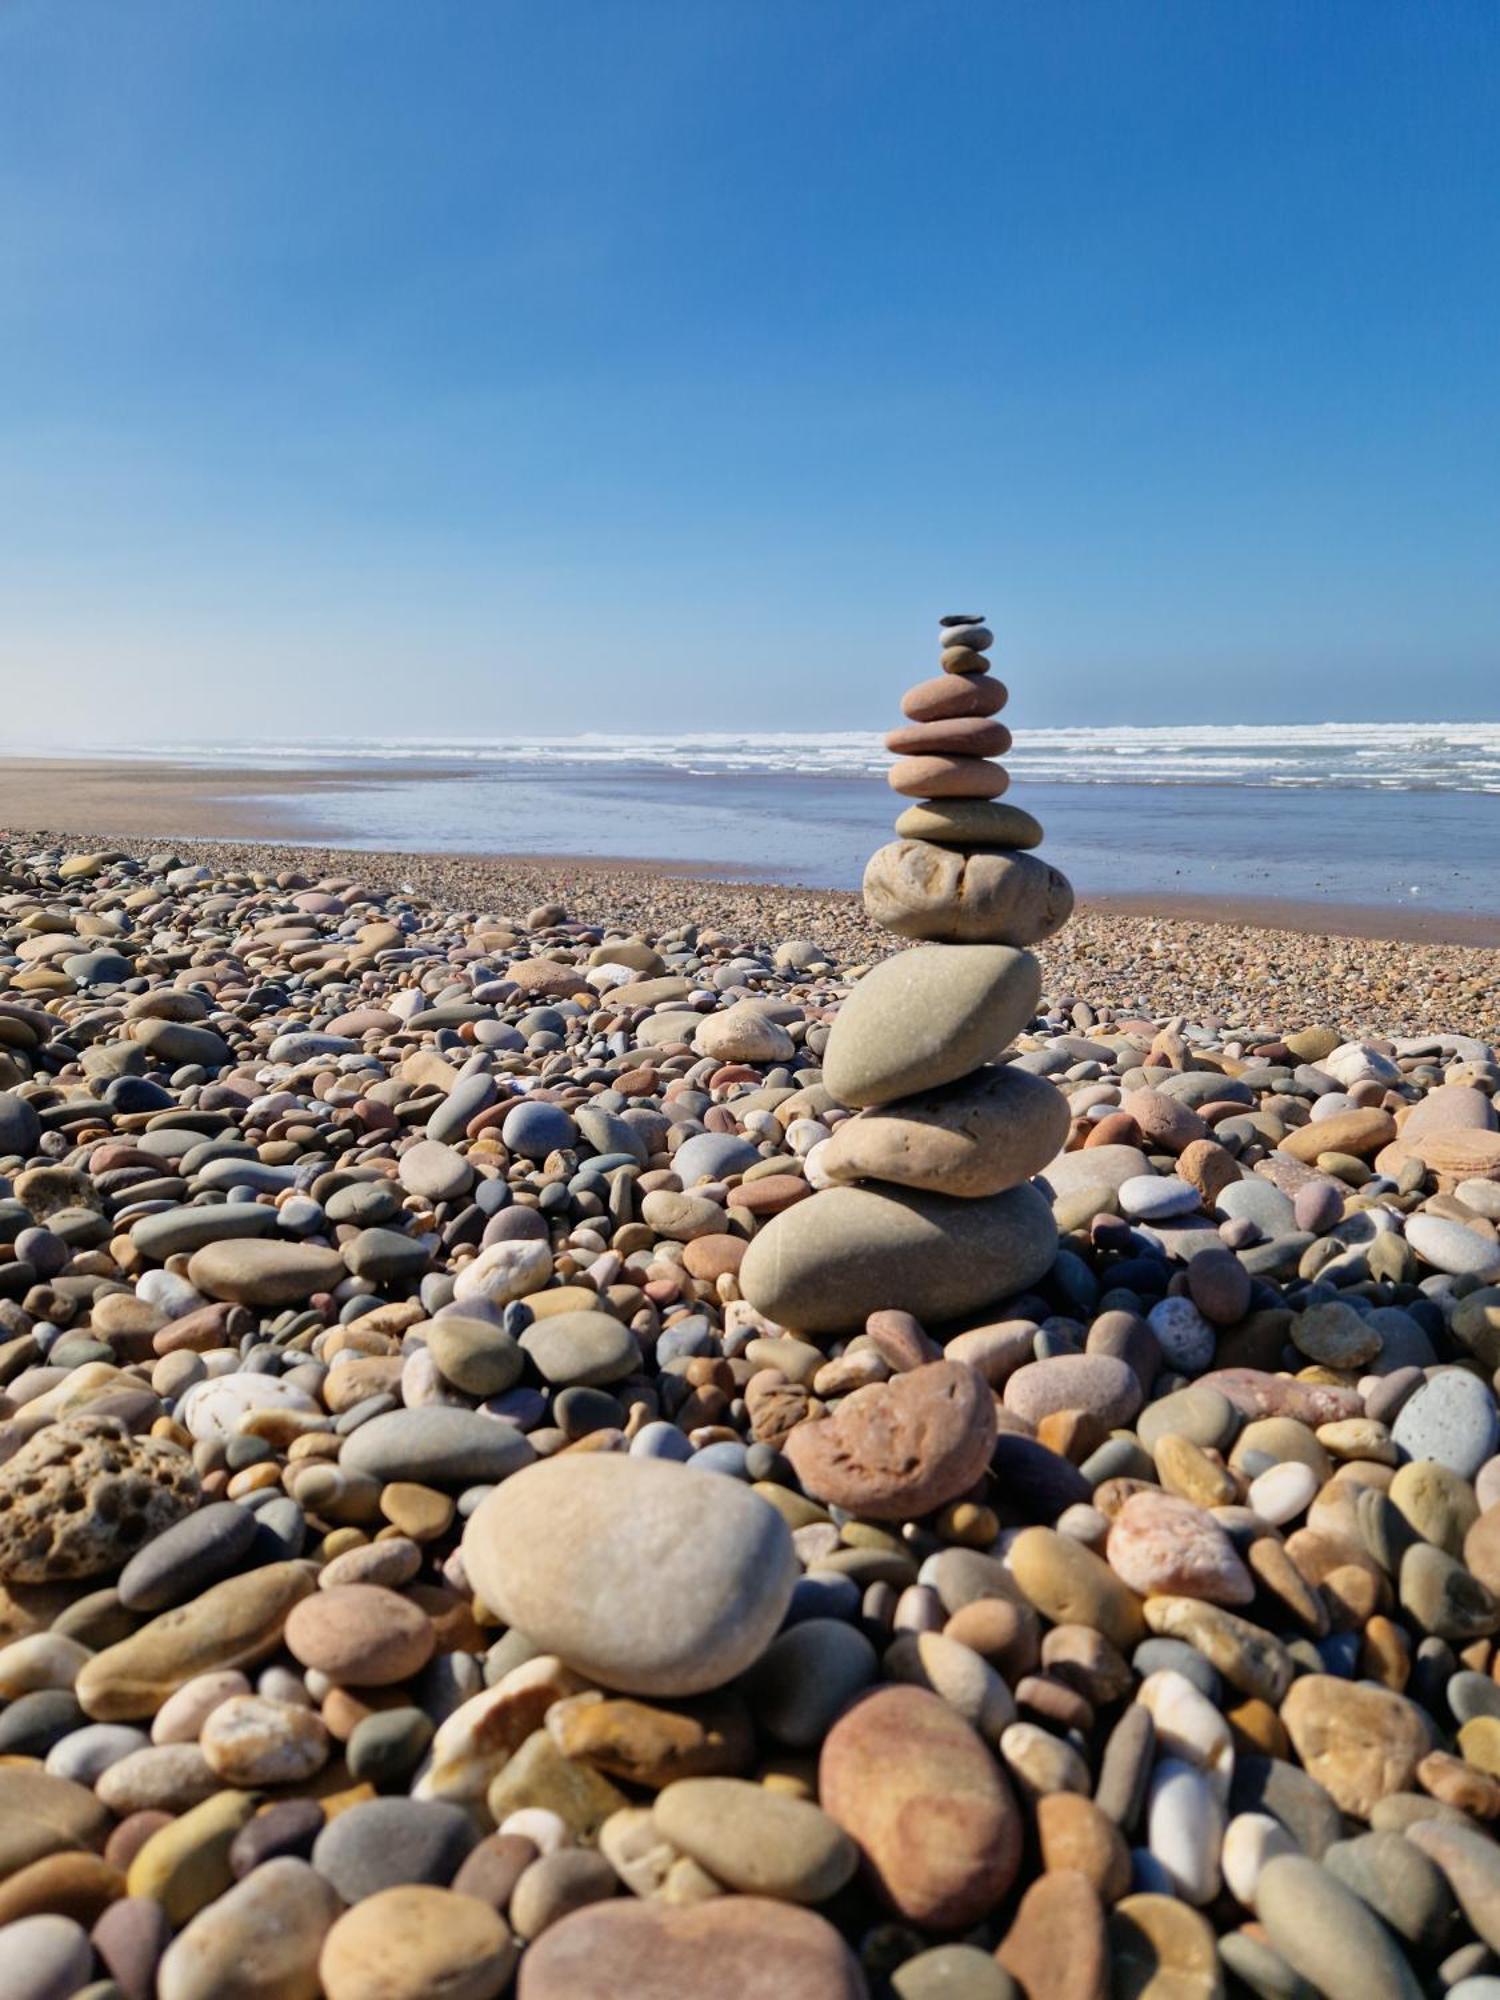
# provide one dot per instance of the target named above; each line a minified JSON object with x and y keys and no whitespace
{"x":926,"y":1204}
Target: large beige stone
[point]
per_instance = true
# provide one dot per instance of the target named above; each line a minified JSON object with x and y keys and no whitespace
{"x":638,"y":1573}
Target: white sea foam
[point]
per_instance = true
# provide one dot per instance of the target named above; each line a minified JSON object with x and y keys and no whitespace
{"x":1405,"y":756}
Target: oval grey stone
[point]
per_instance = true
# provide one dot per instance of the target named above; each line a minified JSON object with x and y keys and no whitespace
{"x":437,"y":1445}
{"x":927,"y":1017}
{"x":826,"y":1264}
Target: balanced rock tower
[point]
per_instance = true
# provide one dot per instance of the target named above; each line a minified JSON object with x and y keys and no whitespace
{"x":925,"y":1202}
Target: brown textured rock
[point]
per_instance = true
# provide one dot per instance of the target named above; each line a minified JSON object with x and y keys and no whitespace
{"x":83,"y":1495}
{"x":925,"y":1802}
{"x":1360,"y":1742}
{"x":652,"y":1746}
{"x":747,"y":1946}
{"x":921,"y":890}
{"x":895,"y":1450}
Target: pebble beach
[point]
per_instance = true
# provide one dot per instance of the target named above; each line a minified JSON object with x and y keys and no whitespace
{"x":563,"y":1425}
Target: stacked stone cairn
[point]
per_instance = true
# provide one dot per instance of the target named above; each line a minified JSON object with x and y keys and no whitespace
{"x":925,"y":1202}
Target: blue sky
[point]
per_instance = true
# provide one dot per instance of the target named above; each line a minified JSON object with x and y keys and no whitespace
{"x":455,"y":364}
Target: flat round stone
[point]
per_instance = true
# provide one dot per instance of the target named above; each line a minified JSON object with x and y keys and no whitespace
{"x":826,"y":1264}
{"x":978,"y":1136}
{"x":758,"y":1950}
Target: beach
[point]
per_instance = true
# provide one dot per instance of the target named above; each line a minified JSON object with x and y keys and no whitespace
{"x":1395,"y":826}
{"x":490,"y":1484}
{"x":1165,"y":952}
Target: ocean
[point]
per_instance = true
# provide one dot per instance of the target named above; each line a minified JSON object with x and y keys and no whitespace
{"x":1374,"y":813}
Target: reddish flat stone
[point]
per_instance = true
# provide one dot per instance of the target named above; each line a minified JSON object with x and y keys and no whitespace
{"x":955,"y":736}
{"x":896,"y":1450}
{"x":744,"y":1945}
{"x":926,"y":1803}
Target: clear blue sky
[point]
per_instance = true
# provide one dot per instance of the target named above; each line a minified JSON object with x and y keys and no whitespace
{"x":458,"y":364}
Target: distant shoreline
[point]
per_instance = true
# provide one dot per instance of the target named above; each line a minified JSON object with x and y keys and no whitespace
{"x":88,"y":799}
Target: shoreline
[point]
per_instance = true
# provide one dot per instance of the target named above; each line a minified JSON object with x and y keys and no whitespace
{"x":1149,"y":961}
{"x":245,"y":808}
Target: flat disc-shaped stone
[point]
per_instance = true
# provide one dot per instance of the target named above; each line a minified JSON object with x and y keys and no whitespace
{"x":935,"y":777}
{"x":826,"y":1264}
{"x":969,"y":823}
{"x":952,"y":736}
{"x":953,"y":694}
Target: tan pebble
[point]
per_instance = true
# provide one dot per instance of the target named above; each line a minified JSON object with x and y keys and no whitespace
{"x":1360,"y":1742}
{"x":1075,"y":1834}
{"x":1069,"y":1585}
{"x":231,"y":1625}
{"x":1187,"y":1470}
{"x":360,"y":1635}
{"x":251,"y":1740}
{"x":185,"y":1865}
{"x":1161,"y":1949}
{"x":1057,"y":1944}
{"x":1479,"y":1744}
{"x":414,"y":1941}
